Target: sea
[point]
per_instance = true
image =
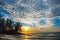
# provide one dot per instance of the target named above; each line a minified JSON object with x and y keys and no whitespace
{"x":36,"y":36}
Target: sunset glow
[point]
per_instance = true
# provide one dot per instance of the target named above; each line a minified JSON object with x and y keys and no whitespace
{"x":26,"y":30}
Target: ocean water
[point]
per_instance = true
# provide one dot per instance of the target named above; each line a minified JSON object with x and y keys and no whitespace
{"x":37,"y":36}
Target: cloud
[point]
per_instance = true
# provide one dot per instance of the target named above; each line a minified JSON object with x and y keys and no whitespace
{"x":33,"y":11}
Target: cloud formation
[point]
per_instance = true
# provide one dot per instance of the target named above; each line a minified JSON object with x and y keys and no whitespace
{"x":33,"y":11}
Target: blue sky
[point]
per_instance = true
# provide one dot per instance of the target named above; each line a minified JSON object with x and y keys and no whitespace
{"x":39,"y":5}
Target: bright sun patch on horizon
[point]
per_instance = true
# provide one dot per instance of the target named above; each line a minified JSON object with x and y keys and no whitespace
{"x":26,"y":30}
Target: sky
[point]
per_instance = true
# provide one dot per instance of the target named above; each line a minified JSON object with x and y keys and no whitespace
{"x":33,"y":13}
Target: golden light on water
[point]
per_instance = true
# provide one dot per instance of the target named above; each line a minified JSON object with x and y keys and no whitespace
{"x":26,"y":30}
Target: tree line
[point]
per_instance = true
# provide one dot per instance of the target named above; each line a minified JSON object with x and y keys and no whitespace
{"x":8,"y":24}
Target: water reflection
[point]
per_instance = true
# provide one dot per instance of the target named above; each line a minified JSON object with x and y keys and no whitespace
{"x":25,"y":37}
{"x":39,"y":36}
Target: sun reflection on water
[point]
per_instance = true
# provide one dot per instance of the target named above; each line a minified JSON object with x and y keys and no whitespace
{"x":26,"y":37}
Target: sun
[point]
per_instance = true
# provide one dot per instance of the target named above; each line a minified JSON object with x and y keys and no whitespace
{"x":26,"y":30}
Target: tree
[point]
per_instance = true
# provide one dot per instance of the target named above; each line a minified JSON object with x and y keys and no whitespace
{"x":2,"y":24}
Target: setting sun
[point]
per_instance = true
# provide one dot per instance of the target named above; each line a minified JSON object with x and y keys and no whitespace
{"x":26,"y":30}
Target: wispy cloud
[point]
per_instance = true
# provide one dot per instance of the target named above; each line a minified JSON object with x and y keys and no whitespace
{"x":33,"y":11}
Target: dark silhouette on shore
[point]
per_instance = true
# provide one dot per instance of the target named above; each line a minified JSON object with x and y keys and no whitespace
{"x":7,"y":26}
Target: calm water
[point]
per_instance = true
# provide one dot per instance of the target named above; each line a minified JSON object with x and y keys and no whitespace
{"x":38,"y":36}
